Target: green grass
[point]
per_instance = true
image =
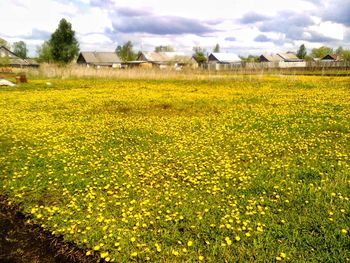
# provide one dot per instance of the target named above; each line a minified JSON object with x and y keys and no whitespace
{"x":239,"y":169}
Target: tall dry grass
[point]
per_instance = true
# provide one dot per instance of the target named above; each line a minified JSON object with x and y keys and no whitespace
{"x":75,"y":71}
{"x":49,"y":71}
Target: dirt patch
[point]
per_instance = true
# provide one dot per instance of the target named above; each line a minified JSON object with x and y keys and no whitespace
{"x":24,"y":243}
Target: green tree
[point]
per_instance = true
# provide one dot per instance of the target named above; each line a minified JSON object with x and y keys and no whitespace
{"x":339,"y":51}
{"x":4,"y":43}
{"x":4,"y":61}
{"x":63,"y":45}
{"x":163,"y":49}
{"x":125,"y":52}
{"x":20,"y":49}
{"x":216,"y":48}
{"x":44,"y":52}
{"x":199,"y":55}
{"x":301,"y":53}
{"x":346,"y":55}
{"x":321,"y":52}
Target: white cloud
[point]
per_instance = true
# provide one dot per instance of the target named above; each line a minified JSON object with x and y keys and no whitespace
{"x":330,"y":29}
{"x":99,"y":26}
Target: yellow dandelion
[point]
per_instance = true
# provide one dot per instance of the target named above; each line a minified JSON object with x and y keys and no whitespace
{"x":228,"y":240}
{"x":104,"y":254}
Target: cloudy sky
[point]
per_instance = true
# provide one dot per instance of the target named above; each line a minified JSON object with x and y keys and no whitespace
{"x":243,"y":27}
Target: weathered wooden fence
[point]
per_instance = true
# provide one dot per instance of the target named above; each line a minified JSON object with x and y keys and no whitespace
{"x":307,"y":65}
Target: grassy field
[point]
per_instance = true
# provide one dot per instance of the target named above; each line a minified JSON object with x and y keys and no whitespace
{"x":238,"y":169}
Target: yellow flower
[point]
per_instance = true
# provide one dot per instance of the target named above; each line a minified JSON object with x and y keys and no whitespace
{"x":237,"y":238}
{"x":278,"y":258}
{"x":200,"y":258}
{"x":228,"y":240}
{"x":344,"y":231}
{"x":189,"y":243}
{"x":97,"y":247}
{"x":134,"y":254}
{"x":104,"y":254}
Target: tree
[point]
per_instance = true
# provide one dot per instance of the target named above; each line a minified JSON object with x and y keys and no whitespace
{"x":216,"y":48}
{"x":163,"y":49}
{"x":63,"y":45}
{"x":346,"y":55}
{"x":44,"y":52}
{"x":4,"y":61}
{"x":321,"y":52}
{"x":125,"y":52}
{"x":4,"y":43}
{"x":339,"y":51}
{"x":20,"y":49}
{"x":301,"y":53}
{"x":199,"y":55}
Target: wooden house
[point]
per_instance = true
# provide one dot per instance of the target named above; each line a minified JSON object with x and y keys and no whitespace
{"x":289,"y":57}
{"x":12,"y":60}
{"x":331,"y":58}
{"x":177,"y":60}
{"x":280,"y":57}
{"x":223,"y":58}
{"x":270,"y":58}
{"x":99,"y":59}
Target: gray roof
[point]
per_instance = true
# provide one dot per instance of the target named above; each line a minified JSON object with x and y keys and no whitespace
{"x":288,"y":56}
{"x":225,"y":57}
{"x":14,"y":60}
{"x":159,"y":57}
{"x":272,"y":58}
{"x":100,"y":58}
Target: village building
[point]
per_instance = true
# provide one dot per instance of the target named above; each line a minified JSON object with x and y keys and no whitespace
{"x":280,"y":57}
{"x":223,"y":58}
{"x":270,"y":58}
{"x":289,"y":57}
{"x":12,"y":60}
{"x":331,"y":58}
{"x":177,"y":60}
{"x":223,"y":61}
{"x":99,"y":59}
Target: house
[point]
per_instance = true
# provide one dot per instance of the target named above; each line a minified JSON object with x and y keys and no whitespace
{"x":99,"y":59}
{"x":12,"y":60}
{"x":331,"y":58}
{"x":166,"y":59}
{"x":289,"y":57}
{"x":280,"y":57}
{"x":223,"y":58}
{"x":270,"y":58}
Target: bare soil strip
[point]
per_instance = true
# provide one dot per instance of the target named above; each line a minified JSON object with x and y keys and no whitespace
{"x":24,"y":243}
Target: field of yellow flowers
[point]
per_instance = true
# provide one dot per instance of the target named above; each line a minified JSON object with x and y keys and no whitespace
{"x":249,"y":169}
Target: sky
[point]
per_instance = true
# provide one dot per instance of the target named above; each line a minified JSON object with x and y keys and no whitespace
{"x":242,"y":27}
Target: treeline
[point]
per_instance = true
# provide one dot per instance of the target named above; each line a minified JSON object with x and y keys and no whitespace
{"x":62,"y":47}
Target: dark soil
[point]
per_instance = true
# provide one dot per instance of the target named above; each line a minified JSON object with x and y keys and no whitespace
{"x":23,"y":243}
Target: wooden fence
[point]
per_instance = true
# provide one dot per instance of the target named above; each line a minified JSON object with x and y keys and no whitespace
{"x":307,"y":65}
